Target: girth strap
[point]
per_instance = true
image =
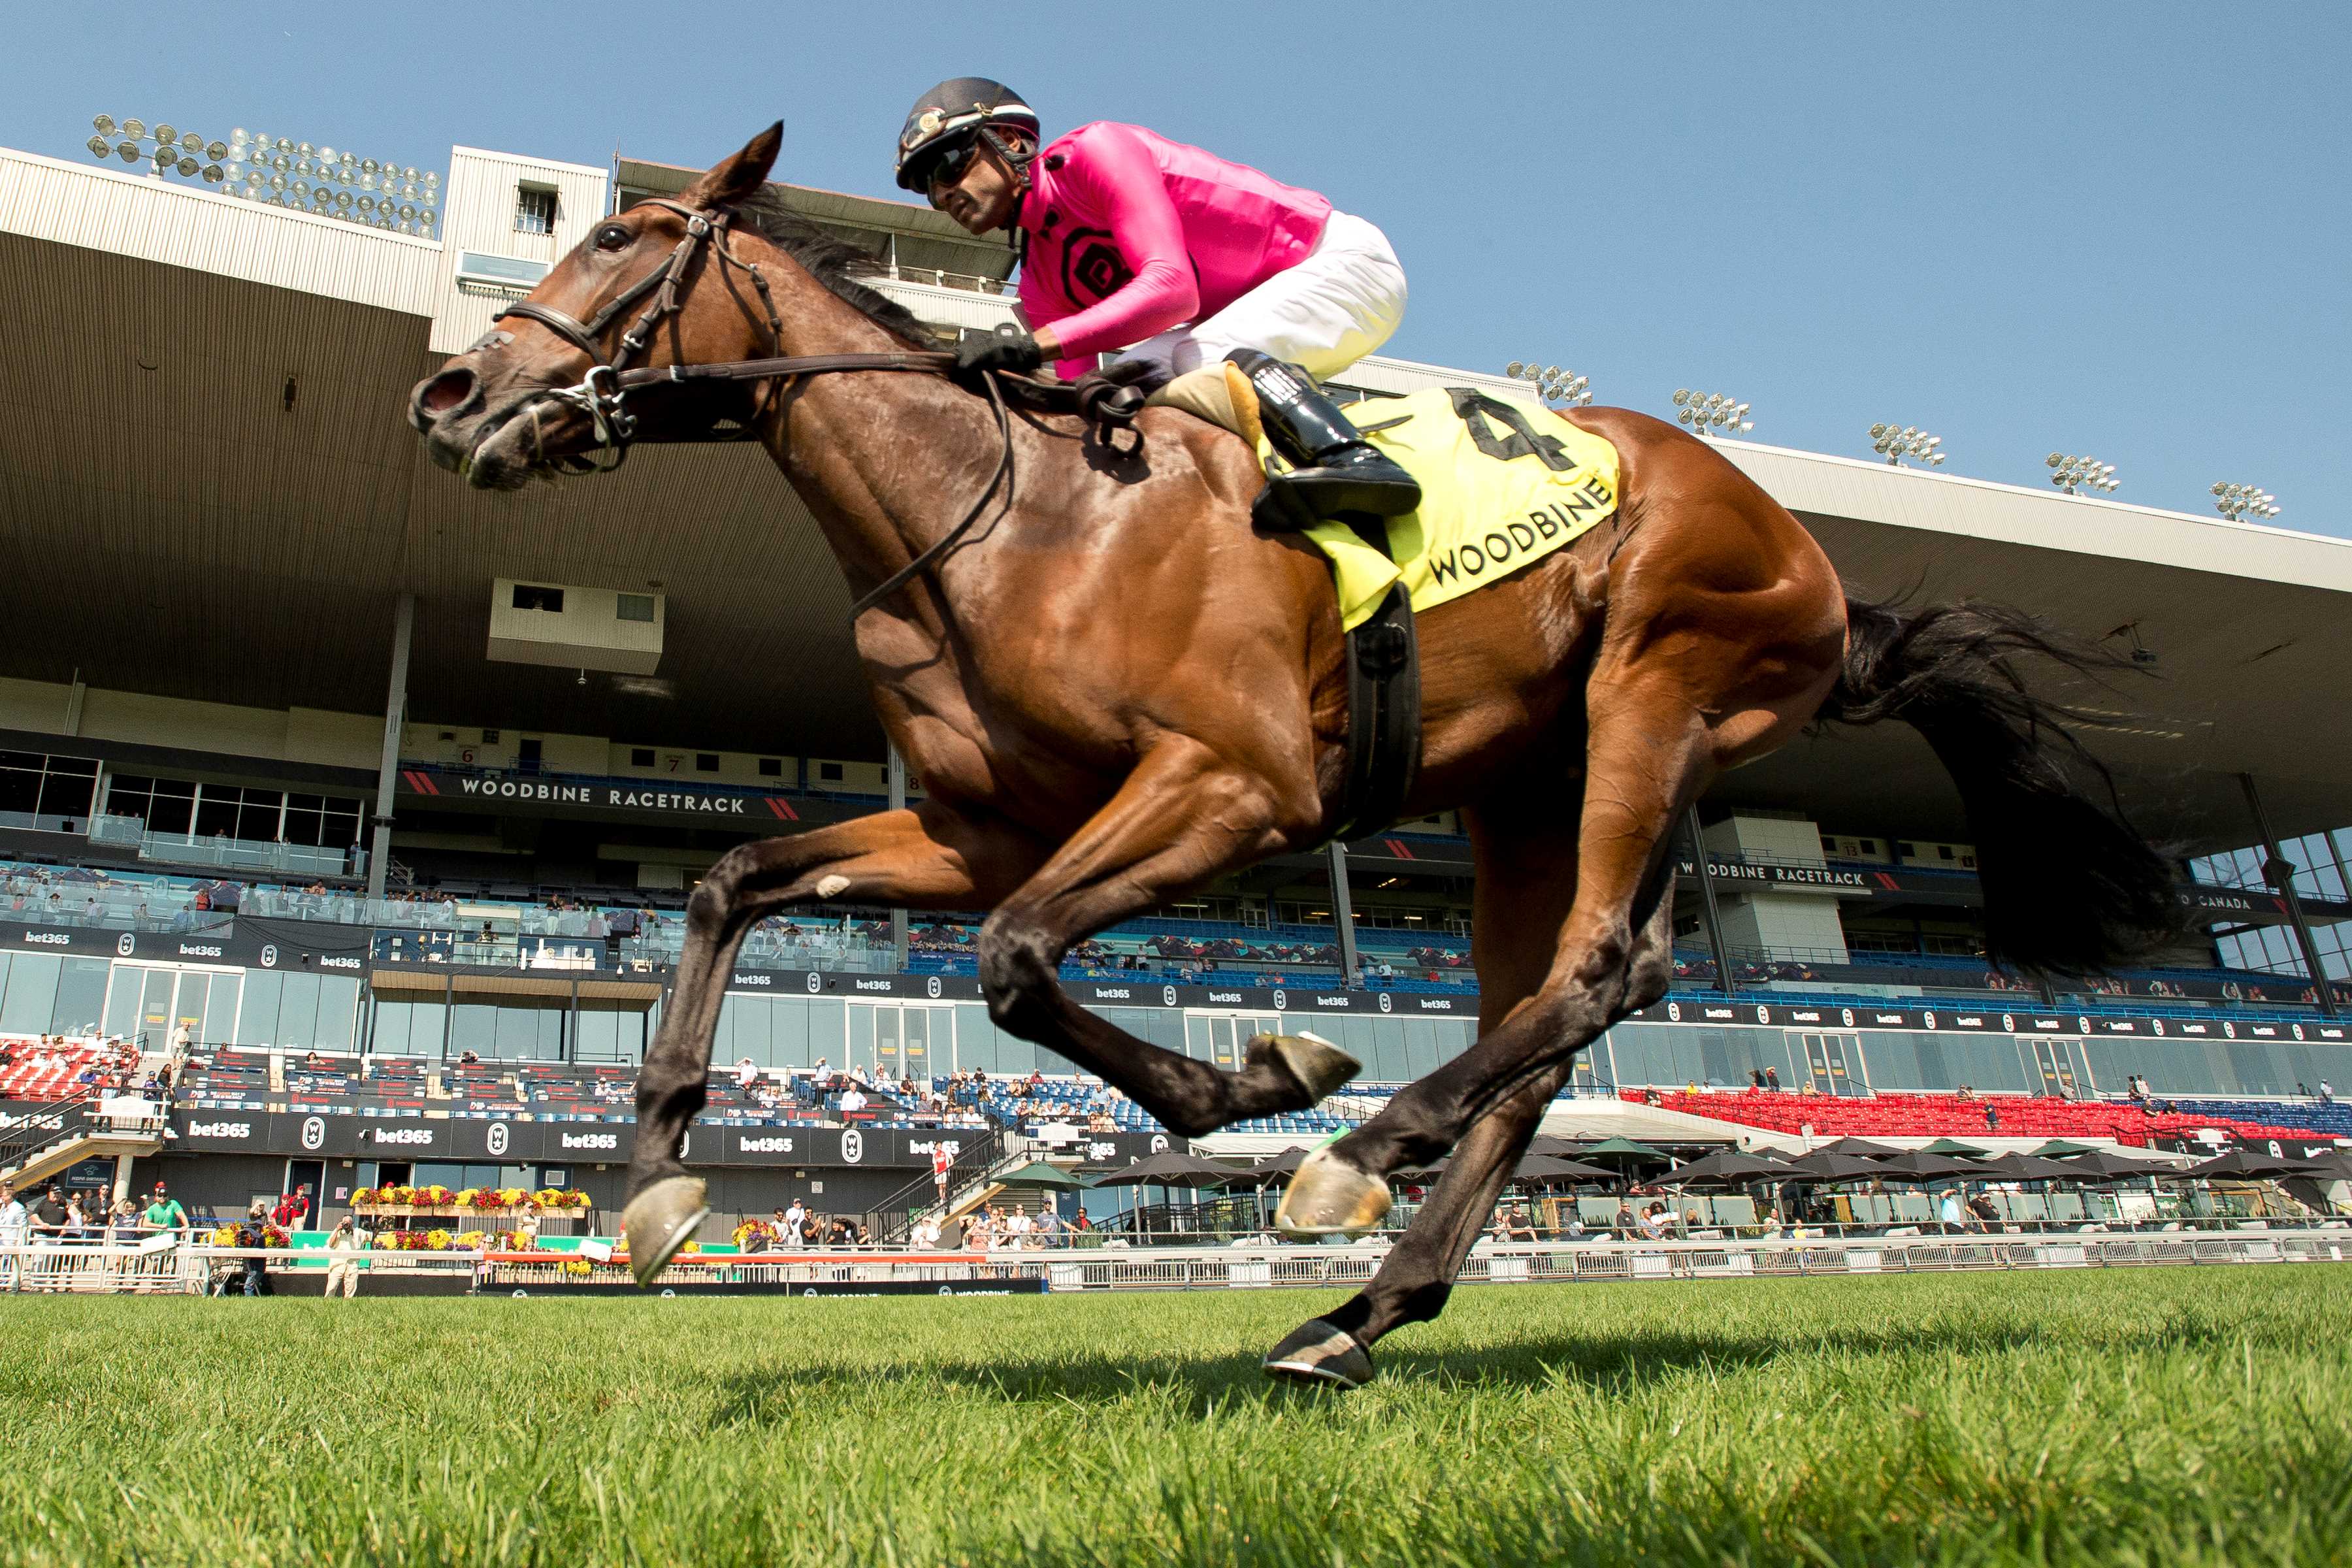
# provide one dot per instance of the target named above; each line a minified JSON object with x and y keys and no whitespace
{"x":1384,"y":659}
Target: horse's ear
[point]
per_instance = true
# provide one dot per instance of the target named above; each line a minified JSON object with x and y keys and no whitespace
{"x":738,"y":176}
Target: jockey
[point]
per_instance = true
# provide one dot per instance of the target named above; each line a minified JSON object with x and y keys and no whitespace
{"x":1130,"y":241}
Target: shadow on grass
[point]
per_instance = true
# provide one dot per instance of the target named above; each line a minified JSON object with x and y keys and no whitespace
{"x":1613,"y":1363}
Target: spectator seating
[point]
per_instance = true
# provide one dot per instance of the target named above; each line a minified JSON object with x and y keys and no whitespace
{"x":42,"y":1070}
{"x":1929,"y":1116}
{"x":2302,"y":1115}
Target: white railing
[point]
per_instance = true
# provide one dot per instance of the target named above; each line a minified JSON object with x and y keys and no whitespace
{"x":190,"y":1268}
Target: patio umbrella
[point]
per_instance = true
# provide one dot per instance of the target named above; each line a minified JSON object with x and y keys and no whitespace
{"x":1926,"y":1167}
{"x":1824,"y":1166}
{"x":1039,"y":1174}
{"x":1622,"y":1149}
{"x":1728,"y":1168}
{"x":2028,"y":1168}
{"x":2249,"y":1163}
{"x":2059,"y":1149}
{"x":1551,"y":1168}
{"x":1282,"y":1164}
{"x":1955,"y":1148}
{"x":1858,"y":1149}
{"x":1170,"y":1169}
{"x":2108,"y":1166}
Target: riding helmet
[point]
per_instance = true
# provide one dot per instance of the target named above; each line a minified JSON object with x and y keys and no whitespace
{"x":952,"y":115}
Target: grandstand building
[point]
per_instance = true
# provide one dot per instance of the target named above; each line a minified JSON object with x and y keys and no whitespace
{"x":308,"y":751}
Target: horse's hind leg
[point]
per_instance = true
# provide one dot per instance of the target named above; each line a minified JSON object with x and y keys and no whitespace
{"x":1416,"y":1277}
{"x":932,"y":857}
{"x":1183,"y":817}
{"x":1648,"y":754}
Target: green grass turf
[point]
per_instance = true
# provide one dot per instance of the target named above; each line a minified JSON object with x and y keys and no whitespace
{"x":2173,"y":1415}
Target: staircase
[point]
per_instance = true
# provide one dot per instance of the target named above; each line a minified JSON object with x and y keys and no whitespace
{"x":974,"y":1178}
{"x":49,"y":1142}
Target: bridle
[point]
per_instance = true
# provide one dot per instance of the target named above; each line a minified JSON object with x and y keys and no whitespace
{"x":603,"y":390}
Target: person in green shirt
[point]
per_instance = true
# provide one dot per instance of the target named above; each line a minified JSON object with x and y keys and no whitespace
{"x":165,"y":1213}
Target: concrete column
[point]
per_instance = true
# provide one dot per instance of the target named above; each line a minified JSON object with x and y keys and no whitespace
{"x":1723,"y":974}
{"x":898,"y":916}
{"x":121,"y":1178}
{"x":1342,"y":913}
{"x":395,"y":713}
{"x":2279,"y":872}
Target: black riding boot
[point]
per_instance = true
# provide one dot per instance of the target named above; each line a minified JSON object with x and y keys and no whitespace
{"x":1334,"y":470}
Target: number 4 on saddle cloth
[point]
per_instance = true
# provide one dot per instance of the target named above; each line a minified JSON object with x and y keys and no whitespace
{"x":1504,"y":482}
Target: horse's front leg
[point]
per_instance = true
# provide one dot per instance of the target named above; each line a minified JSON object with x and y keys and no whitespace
{"x":1184,"y":816}
{"x":929,"y":857}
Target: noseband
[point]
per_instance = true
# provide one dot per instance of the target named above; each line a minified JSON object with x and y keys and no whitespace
{"x":603,"y":390}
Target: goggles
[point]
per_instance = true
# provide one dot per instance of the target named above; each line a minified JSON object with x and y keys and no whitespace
{"x":947,"y":169}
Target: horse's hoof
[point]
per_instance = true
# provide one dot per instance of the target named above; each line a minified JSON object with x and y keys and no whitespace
{"x":660,"y":1220}
{"x":1318,"y":1353}
{"x":1330,"y":1197}
{"x":1320,"y":1066}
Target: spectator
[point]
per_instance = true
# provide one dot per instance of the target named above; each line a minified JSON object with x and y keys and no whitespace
{"x":1993,"y":1117}
{"x":1772,"y":1080}
{"x":941,"y":1161}
{"x":2327,"y":1092}
{"x":50,"y":1216}
{"x":795,"y":1223}
{"x":747,"y":1073}
{"x":165,"y":1212}
{"x":13,"y":1223}
{"x":853,"y":1099}
{"x":252,"y":1234}
{"x":1949,"y":1212}
{"x":344,"y":1272}
{"x":1515,"y":1225}
{"x":122,"y":1222}
{"x":1624,"y":1221}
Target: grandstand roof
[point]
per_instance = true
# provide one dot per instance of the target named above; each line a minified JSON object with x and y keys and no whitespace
{"x":176,"y":527}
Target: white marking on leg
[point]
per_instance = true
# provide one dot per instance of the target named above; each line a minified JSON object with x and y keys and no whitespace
{"x":829,"y":884}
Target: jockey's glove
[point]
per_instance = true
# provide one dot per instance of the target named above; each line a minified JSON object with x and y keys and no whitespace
{"x":1016,"y":354}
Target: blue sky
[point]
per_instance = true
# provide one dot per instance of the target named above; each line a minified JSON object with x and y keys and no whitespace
{"x":2121,"y":230}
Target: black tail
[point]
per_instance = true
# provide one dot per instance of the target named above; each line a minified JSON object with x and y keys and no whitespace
{"x":2069,"y":887}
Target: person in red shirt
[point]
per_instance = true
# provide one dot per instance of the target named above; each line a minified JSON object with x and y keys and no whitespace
{"x":1178,"y":260}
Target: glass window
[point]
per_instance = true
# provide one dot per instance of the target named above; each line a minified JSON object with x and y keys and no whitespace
{"x":297,"y":1012}
{"x":30,"y":1001}
{"x":257,"y":1023}
{"x":20,"y":782}
{"x":338,"y":1001}
{"x":81,"y":994}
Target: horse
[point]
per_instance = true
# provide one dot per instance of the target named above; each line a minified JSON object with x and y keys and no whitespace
{"x":1115,"y":689}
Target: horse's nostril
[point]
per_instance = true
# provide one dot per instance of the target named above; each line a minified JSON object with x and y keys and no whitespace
{"x":446,"y":391}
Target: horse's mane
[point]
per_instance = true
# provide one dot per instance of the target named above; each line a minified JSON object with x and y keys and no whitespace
{"x":832,"y":261}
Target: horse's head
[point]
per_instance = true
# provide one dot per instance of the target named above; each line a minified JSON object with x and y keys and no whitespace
{"x":645,"y":289}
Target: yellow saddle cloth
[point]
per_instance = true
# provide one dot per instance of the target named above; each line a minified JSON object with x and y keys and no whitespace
{"x":1503,"y":481}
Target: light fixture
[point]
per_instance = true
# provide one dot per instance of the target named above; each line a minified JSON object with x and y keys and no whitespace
{"x":252,"y":165}
{"x":2238,"y":502}
{"x":1711,"y":413}
{"x":1555,"y":385}
{"x":2074,"y":474}
{"x":1896,"y":442}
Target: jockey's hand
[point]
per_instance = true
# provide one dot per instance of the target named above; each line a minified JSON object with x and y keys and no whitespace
{"x":1015,"y":354}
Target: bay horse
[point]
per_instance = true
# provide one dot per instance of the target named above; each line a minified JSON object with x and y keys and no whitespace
{"x":1116,"y":690}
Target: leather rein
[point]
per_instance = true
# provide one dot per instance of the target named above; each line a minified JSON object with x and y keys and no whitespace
{"x":603,"y":391}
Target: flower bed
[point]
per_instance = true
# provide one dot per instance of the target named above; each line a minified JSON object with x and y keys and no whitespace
{"x":438,"y":1203}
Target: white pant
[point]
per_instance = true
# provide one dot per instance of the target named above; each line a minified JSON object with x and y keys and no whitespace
{"x":1340,"y":303}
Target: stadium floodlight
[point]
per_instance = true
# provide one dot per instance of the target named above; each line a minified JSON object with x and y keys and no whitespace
{"x":1896,"y":442}
{"x":1555,"y":385}
{"x":2075,"y":474}
{"x":1711,"y":413}
{"x":277,"y":171}
{"x":2238,"y":502}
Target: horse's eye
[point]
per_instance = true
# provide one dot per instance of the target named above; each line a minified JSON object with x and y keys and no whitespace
{"x":612,"y":236}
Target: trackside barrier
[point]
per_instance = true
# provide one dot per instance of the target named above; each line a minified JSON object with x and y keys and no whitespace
{"x":194,"y":1267}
